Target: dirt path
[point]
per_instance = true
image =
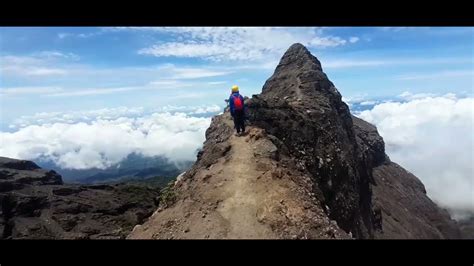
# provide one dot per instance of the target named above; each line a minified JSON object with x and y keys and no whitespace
{"x":231,"y":183}
{"x":244,"y":195}
{"x":242,"y":205}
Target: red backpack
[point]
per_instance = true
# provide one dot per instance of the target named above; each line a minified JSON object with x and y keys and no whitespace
{"x":238,"y":105}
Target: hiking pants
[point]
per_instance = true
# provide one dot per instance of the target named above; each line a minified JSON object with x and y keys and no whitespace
{"x":239,"y":123}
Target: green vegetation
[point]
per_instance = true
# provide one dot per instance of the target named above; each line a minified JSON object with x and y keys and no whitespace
{"x":168,"y":195}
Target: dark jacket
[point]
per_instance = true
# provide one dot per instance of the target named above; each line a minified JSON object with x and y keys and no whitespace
{"x":231,"y":102}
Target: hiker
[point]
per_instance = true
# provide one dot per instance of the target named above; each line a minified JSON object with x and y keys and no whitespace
{"x":237,"y":110}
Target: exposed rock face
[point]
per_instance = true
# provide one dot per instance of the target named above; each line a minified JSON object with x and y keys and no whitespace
{"x":310,"y":152}
{"x":303,"y":109}
{"x":35,"y":204}
{"x":344,"y":155}
{"x":402,"y":208}
{"x":241,"y":187}
{"x":467,"y":227}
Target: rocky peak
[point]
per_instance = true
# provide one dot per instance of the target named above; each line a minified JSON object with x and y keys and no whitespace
{"x":302,"y":108}
{"x":306,"y":169}
{"x":298,"y":56}
{"x":299,"y":83}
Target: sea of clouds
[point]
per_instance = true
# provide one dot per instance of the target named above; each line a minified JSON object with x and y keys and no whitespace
{"x":102,"y":138}
{"x":430,"y":135}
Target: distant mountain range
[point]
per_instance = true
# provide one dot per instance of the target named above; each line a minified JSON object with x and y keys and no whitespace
{"x":36,"y":204}
{"x":133,"y":167}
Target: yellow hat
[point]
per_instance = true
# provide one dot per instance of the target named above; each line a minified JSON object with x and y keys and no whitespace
{"x":235,"y":88}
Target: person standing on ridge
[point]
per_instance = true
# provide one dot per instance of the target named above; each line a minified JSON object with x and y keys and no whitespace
{"x":237,"y":110}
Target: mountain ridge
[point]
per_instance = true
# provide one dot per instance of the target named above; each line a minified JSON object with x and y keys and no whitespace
{"x":306,"y":169}
{"x":36,"y":204}
{"x":330,"y":166}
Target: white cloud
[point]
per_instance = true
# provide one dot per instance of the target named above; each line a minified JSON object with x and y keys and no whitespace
{"x":19,"y":60}
{"x":177,"y":84}
{"x":56,"y":54}
{"x":217,"y":82}
{"x":167,"y":83}
{"x":432,"y":137}
{"x":53,"y":68}
{"x":367,"y":102}
{"x":208,"y":109}
{"x":62,"y":70}
{"x":439,"y":75}
{"x":63,"y":35}
{"x":92,"y":91}
{"x":329,"y":41}
{"x":106,"y":140}
{"x":37,"y":65}
{"x":394,"y":29}
{"x":89,"y":116}
{"x":356,"y":98}
{"x":413,"y":96}
{"x":87,"y":91}
{"x":237,"y":43}
{"x":61,"y":92}
{"x":270,"y":64}
{"x":194,"y":73}
{"x":85,"y":35}
{"x":344,"y":63}
{"x":40,"y":71}
{"x":357,"y":62}
{"x":432,"y":31}
{"x":353,"y":39}
{"x":29,"y":90}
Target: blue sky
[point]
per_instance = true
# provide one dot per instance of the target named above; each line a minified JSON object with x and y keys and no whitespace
{"x":59,"y":69}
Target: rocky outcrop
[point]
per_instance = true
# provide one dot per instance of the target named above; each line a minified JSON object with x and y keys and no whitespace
{"x":344,"y":155}
{"x":304,"y":110}
{"x":240,"y":187}
{"x":467,"y":227}
{"x":312,"y":171}
{"x":35,"y":204}
{"x":402,"y":208}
